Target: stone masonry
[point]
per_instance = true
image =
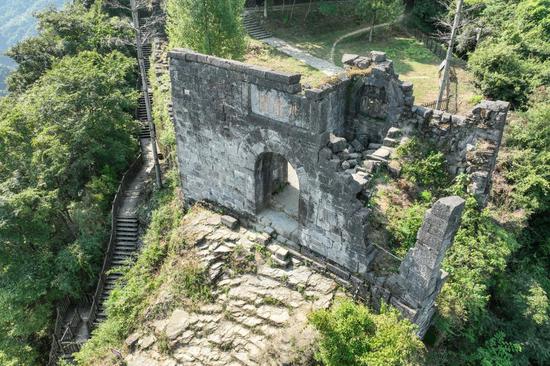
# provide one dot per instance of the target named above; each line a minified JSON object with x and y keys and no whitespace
{"x":238,"y":126}
{"x":420,"y":276}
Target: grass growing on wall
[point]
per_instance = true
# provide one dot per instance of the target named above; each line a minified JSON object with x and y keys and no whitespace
{"x":166,"y":136}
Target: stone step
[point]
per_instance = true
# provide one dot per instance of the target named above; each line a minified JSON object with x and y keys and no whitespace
{"x":126,"y":245}
{"x":382,"y":154}
{"x":390,"y":142}
{"x":125,"y":248}
{"x":127,"y":225}
{"x":131,"y":229}
{"x":126,"y":219}
{"x":394,"y":133}
{"x":122,"y":255}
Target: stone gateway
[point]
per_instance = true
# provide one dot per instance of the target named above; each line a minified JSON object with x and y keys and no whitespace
{"x":300,"y":162}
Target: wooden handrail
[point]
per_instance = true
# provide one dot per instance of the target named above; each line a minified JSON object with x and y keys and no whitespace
{"x":136,"y":165}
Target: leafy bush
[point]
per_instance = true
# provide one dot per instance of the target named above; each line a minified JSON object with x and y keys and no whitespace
{"x":423,"y":165}
{"x":497,"y":352}
{"x":328,"y":9}
{"x":527,"y":168}
{"x":352,"y":335}
{"x":501,"y":73}
{"x":479,"y":254}
{"x":403,"y":225}
{"x":514,"y":59}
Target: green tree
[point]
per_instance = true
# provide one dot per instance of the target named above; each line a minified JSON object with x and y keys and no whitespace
{"x":514,"y":58}
{"x":378,"y":11}
{"x":66,"y":32}
{"x":63,"y":144}
{"x":212,"y":27}
{"x":352,"y":335}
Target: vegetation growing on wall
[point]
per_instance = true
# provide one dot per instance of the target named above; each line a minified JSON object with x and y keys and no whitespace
{"x":166,"y":135}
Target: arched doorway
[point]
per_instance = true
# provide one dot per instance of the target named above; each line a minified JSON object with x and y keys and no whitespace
{"x":277,"y":193}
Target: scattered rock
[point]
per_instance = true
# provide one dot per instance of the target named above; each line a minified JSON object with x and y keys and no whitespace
{"x":146,"y":342}
{"x":230,"y":222}
{"x":132,"y":339}
{"x":177,"y":323}
{"x":378,"y":56}
{"x":337,"y":144}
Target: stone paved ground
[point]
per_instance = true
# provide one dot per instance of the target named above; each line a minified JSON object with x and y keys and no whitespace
{"x":258,"y":317}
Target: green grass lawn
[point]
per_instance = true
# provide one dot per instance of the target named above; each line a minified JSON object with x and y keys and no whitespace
{"x":413,"y":61}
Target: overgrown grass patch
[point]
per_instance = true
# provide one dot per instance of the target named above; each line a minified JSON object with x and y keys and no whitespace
{"x":260,"y":54}
{"x":412,"y":60}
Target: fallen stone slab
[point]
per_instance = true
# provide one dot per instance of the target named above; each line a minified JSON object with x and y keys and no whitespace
{"x":230,"y":222}
{"x":347,"y":58}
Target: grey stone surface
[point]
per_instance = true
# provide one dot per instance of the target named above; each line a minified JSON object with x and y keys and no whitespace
{"x":230,"y":221}
{"x":256,"y":318}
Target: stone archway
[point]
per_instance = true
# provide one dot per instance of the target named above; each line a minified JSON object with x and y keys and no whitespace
{"x":277,"y":185}
{"x":277,"y":193}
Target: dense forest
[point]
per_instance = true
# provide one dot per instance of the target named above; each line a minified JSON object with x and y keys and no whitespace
{"x":66,"y":137}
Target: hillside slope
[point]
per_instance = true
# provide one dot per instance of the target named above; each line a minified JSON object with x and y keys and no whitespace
{"x":16,"y":23}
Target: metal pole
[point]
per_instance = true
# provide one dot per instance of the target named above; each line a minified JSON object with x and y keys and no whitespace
{"x":449,"y":54}
{"x":145,"y":88}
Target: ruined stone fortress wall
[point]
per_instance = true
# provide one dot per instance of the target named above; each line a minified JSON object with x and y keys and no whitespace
{"x":236,"y":125}
{"x":228,"y":115}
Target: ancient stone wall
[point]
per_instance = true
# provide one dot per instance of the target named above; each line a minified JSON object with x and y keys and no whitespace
{"x":236,"y":126}
{"x":470,"y":143}
{"x":228,"y":115}
{"x":420,"y":277}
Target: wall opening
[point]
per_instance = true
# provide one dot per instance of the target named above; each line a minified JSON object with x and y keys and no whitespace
{"x":277,"y":193}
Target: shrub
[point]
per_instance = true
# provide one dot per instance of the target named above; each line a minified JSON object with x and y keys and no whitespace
{"x":352,"y":335}
{"x":403,"y":224}
{"x":423,"y":165}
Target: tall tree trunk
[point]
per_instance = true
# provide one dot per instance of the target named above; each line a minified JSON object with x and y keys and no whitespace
{"x":265,"y":8}
{"x":292,"y":10}
{"x":372,"y":27}
{"x":141,"y":63}
{"x":444,"y":80}
{"x":308,"y":9}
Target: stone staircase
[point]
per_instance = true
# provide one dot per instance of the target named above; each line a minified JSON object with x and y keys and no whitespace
{"x":144,"y":132}
{"x":79,"y":319}
{"x":125,"y":249}
{"x":254,"y":28}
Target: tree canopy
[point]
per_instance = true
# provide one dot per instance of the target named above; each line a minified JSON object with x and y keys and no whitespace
{"x":212,"y":27}
{"x":66,"y":135}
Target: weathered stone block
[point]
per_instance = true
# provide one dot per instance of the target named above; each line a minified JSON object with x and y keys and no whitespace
{"x":337,"y":144}
{"x":230,"y":222}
